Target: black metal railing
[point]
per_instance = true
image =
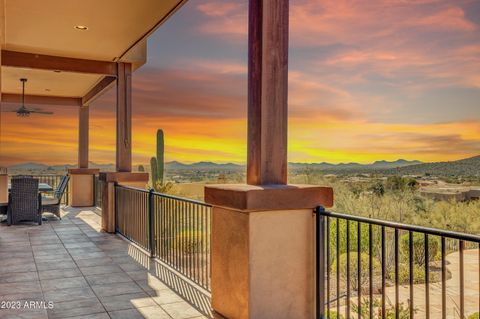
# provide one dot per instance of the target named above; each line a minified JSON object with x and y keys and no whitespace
{"x":132,"y":220}
{"x":98,"y":186}
{"x":172,"y":229}
{"x":368,"y":268}
{"x":54,"y":181}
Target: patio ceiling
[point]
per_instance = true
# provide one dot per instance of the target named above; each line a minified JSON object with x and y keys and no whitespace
{"x":117,"y":31}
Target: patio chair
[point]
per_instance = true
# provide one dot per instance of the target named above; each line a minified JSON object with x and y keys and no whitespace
{"x":21,"y":176}
{"x":24,"y":201}
{"x":52,"y":204}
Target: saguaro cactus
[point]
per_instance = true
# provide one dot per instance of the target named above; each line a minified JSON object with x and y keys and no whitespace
{"x":154,"y":167}
{"x":157,"y":163}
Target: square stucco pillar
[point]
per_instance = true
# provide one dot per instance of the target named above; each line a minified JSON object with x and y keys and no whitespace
{"x":263,"y":249}
{"x":81,"y":186}
{"x":3,"y":188}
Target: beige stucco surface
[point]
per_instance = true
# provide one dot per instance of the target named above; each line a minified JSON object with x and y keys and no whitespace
{"x":3,"y":188}
{"x":281,"y":264}
{"x":262,"y":263}
{"x":81,"y":190}
{"x":230,"y":263}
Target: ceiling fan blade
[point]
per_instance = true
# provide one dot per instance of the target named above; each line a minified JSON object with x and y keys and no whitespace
{"x":9,"y":111}
{"x":41,"y":112}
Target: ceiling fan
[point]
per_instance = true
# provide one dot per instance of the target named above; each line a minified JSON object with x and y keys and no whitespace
{"x":23,"y":111}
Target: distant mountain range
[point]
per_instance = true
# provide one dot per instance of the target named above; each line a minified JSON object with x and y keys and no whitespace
{"x":174,"y":165}
{"x":354,"y":166}
{"x":464,"y":167}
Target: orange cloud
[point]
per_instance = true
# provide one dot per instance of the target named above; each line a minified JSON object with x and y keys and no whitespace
{"x":452,"y":18}
{"x":359,"y":141}
{"x":219,"y":8}
{"x":231,"y":16}
{"x":363,"y":84}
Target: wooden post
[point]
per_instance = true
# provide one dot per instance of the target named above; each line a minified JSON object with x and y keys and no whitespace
{"x":267,"y":92}
{"x":83,"y":127}
{"x":262,"y":235}
{"x":124,"y":117}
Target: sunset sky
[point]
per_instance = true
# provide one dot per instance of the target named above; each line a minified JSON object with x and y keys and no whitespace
{"x":368,"y":80}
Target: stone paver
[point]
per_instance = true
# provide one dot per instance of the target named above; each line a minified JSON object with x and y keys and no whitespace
{"x":452,"y":289}
{"x":73,"y":270}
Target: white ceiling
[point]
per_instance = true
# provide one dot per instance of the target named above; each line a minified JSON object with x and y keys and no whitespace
{"x":48,"y":27}
{"x":44,"y":82}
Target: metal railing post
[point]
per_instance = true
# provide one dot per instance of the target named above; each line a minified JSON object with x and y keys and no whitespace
{"x":151,"y":232}
{"x":95,"y":190}
{"x":320,"y":262}
{"x":115,"y":206}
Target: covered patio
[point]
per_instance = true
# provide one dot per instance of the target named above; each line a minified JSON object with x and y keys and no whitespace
{"x":85,"y":273}
{"x":251,"y":245}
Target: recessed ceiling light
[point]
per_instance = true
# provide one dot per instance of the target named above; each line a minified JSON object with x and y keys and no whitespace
{"x":57,"y":71}
{"x":81,"y":27}
{"x":48,"y":90}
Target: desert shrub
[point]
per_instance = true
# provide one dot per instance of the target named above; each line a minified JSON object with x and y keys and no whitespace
{"x":164,"y":188}
{"x":418,"y":274}
{"x":411,"y":183}
{"x":419,"y":248}
{"x":364,"y":310}
{"x":395,"y":183}
{"x":353,"y":234}
{"x":475,"y":315}
{"x":190,"y":242}
{"x":364,"y":260}
{"x":378,"y":189}
{"x":403,"y":312}
{"x":335,"y":315}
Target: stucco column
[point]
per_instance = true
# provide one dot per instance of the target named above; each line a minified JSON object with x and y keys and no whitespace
{"x":263,"y":249}
{"x":3,"y":186}
{"x":82,"y":187}
{"x":263,"y":233}
{"x":82,"y":179}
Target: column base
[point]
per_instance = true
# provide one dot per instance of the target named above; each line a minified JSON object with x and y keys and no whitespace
{"x":263,"y":249}
{"x":82,"y":187}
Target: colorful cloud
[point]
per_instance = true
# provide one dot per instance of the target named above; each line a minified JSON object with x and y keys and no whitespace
{"x":368,"y":80}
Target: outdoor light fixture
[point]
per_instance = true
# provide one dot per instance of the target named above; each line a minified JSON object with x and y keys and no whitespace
{"x":81,"y":27}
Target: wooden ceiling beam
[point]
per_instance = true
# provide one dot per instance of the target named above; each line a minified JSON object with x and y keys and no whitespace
{"x":57,"y":63}
{"x":41,"y":99}
{"x":102,"y":86}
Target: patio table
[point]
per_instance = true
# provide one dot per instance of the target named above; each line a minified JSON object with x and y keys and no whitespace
{"x":42,"y":187}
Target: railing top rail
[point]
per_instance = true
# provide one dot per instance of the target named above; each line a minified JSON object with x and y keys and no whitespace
{"x":187,"y":200}
{"x":137,"y":189}
{"x":413,"y":228}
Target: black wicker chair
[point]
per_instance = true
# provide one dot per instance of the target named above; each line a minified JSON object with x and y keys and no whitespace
{"x":52,"y":204}
{"x":24,"y":201}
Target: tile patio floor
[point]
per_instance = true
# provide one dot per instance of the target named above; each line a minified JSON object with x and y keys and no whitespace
{"x":85,"y":274}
